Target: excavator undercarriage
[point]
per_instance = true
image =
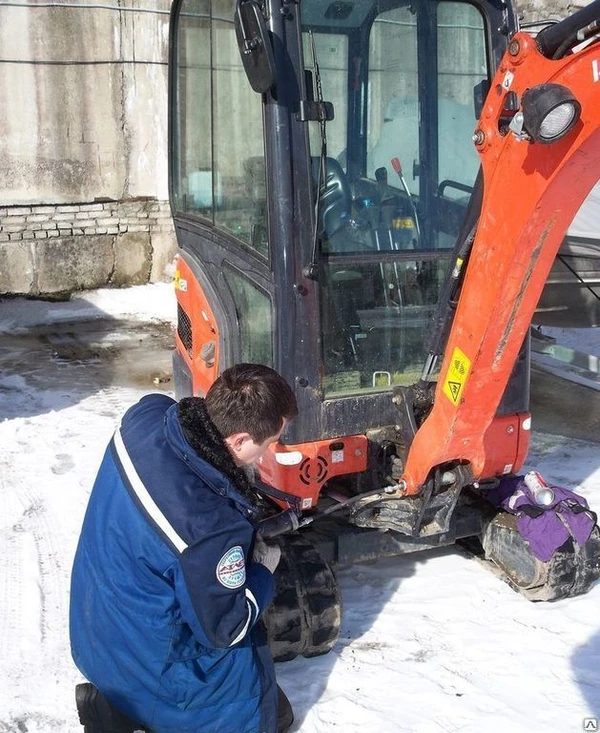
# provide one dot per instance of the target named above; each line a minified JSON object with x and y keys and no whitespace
{"x":305,"y":616}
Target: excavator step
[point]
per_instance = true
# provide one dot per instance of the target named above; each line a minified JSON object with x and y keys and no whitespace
{"x":571,"y":571}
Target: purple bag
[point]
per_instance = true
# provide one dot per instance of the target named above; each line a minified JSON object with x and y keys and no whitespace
{"x":546,"y":527}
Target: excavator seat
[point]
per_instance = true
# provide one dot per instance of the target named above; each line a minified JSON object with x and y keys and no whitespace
{"x":336,"y":198}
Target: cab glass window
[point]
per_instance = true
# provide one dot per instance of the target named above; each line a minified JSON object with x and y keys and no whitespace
{"x":398,"y":171}
{"x":332,"y":58}
{"x":218,"y":162}
{"x":461,"y":67}
{"x":191,"y":114}
{"x":393,"y":112}
{"x":254,"y":316}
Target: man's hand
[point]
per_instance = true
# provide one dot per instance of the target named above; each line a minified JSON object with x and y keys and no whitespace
{"x":267,"y":555}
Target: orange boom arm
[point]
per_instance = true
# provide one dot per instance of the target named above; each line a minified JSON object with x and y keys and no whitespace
{"x":531,"y":193}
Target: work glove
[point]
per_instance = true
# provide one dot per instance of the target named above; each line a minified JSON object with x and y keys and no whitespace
{"x":267,"y":555}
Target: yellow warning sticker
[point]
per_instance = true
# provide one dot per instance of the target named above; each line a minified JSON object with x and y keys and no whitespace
{"x":457,"y":375}
{"x":179,"y":282}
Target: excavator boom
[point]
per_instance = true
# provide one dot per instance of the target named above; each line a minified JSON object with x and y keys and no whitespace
{"x":531,"y":192}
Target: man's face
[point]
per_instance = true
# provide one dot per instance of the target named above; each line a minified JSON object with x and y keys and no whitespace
{"x":245,"y":451}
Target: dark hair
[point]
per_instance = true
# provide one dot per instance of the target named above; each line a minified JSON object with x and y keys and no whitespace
{"x":250,"y":398}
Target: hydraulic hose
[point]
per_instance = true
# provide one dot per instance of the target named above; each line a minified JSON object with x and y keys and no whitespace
{"x":289,"y":520}
{"x":442,"y":319}
{"x":555,"y":40}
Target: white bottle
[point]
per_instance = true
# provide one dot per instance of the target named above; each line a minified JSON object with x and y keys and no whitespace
{"x":542,"y":493}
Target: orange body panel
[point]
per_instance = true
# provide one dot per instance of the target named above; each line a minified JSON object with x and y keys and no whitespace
{"x":301,"y":470}
{"x":506,"y":443}
{"x":204,"y":329}
{"x":531,"y":193}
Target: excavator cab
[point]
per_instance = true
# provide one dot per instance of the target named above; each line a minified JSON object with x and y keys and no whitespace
{"x":317,"y":216}
{"x":364,"y":201}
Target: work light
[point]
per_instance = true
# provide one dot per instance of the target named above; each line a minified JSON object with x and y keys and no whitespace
{"x":549,"y":112}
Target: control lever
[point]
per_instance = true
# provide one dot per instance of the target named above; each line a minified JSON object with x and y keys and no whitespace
{"x":381,"y":176}
{"x":397,"y":166}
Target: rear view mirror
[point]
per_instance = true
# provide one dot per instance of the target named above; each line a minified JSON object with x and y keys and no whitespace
{"x":254,"y":45}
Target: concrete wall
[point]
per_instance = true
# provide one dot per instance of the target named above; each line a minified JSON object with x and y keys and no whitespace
{"x":83,"y":142}
{"x":53,"y":250}
{"x":534,"y":10}
{"x":83,"y":131}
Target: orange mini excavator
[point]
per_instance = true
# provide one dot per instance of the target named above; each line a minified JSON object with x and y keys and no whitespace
{"x":369,"y":196}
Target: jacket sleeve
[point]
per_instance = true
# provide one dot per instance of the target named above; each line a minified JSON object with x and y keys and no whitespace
{"x":221,"y":592}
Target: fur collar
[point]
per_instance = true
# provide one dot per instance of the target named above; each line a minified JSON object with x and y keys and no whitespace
{"x":202,"y":435}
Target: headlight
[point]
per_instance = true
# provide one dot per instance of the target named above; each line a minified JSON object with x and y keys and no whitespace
{"x":549,"y":112}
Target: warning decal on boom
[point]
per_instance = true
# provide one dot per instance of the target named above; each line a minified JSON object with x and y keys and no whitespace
{"x":457,"y":375}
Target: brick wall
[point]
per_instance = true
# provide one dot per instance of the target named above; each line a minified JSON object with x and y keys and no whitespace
{"x":50,"y":250}
{"x":114,"y":217}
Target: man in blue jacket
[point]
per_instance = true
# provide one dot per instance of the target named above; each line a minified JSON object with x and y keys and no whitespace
{"x":169,"y":577}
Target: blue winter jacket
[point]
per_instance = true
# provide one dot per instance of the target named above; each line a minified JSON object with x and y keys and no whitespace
{"x":164,"y":598}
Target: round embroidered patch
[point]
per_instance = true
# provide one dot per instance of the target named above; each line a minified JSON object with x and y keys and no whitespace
{"x":231,"y":568}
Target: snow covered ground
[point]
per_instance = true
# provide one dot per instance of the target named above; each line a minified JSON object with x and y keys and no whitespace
{"x":430,"y":643}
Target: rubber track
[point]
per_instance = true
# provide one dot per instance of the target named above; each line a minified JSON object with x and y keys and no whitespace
{"x":570,"y":572}
{"x":305,"y":616}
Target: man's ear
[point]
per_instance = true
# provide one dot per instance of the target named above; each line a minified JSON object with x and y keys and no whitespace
{"x":237,"y":441}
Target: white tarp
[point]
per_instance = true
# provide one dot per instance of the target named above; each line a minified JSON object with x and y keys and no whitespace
{"x":587,"y":220}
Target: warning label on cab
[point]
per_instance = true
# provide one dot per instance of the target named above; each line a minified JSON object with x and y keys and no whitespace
{"x":457,"y":376}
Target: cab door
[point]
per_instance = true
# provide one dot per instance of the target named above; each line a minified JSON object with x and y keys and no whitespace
{"x":218,"y":194}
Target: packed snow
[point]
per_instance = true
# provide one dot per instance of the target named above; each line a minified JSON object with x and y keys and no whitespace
{"x":430,"y":643}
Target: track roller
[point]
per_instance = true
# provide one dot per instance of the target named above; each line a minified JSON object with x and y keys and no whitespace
{"x":305,"y":615}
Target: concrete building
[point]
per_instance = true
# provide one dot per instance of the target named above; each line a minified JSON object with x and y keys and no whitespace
{"x":83,"y":145}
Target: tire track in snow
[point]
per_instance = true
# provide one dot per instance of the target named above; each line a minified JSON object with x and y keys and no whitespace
{"x":20,"y":631}
{"x":37,"y":542}
{"x":33,"y":580}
